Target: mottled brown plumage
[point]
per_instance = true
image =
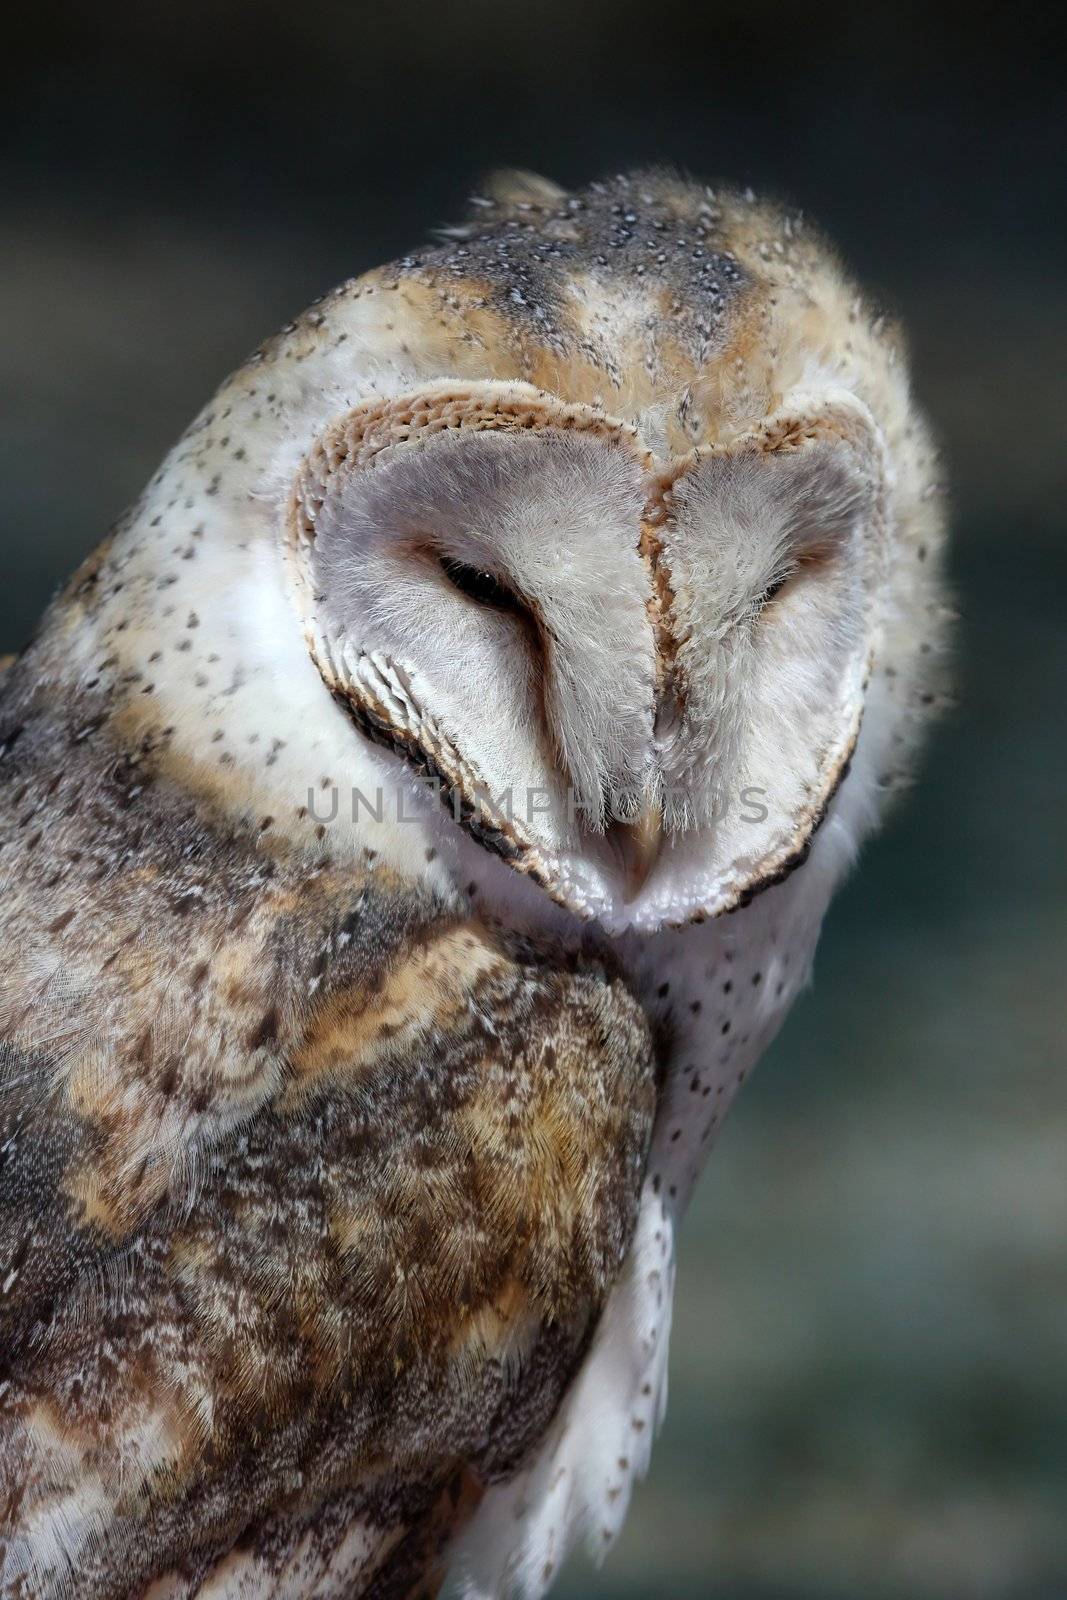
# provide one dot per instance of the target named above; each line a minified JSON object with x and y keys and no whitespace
{"x":283,"y":1148}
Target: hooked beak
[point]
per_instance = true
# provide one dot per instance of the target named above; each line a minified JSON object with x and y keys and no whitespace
{"x":639,"y":843}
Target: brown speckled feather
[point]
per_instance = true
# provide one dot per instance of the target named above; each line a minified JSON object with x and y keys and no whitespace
{"x":310,"y":1187}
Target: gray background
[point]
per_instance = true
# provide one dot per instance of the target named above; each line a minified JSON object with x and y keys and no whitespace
{"x":869,"y":1385}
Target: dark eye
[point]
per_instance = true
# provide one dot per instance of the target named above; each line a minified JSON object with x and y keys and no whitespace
{"x":774,"y":588}
{"x":478,"y":585}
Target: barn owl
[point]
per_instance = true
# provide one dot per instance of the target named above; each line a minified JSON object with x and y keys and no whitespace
{"x":418,"y":817}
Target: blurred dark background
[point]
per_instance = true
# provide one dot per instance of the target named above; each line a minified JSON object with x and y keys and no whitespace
{"x":869,"y":1376}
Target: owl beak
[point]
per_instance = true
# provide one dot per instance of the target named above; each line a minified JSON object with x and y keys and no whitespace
{"x":639,"y":845}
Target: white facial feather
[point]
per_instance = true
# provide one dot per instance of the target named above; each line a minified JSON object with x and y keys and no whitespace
{"x":701,"y":651}
{"x":557,"y":519}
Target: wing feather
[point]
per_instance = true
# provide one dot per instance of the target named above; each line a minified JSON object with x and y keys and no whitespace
{"x":311,"y":1189}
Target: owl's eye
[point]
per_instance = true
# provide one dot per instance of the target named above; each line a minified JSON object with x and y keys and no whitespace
{"x":773,"y":589}
{"x":479,"y":585}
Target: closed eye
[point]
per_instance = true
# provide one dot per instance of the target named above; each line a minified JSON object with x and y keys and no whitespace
{"x":479,"y":585}
{"x":808,"y":560}
{"x":814,"y":555}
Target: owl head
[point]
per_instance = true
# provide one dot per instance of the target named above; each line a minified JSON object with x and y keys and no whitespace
{"x":606,"y":522}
